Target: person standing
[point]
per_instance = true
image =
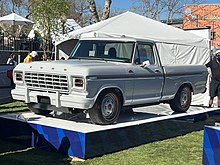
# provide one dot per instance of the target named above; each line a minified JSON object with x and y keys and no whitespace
{"x":214,"y":65}
{"x":11,"y":59}
{"x":30,"y":57}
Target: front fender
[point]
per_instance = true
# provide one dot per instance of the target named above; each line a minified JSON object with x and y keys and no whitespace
{"x":111,"y":87}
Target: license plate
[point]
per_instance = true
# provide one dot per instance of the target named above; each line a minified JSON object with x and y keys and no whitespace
{"x":43,"y":99}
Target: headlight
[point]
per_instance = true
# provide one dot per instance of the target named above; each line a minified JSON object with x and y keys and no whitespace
{"x":78,"y":82}
{"x":18,"y":77}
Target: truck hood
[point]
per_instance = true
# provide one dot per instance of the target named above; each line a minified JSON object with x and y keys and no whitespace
{"x":74,"y":67}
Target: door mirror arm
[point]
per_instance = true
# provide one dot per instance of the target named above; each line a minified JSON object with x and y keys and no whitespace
{"x":145,"y":64}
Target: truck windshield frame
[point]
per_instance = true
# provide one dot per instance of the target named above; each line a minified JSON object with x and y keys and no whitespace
{"x":118,"y":51}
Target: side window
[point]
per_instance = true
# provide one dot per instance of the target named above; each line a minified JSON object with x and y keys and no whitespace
{"x":145,"y":52}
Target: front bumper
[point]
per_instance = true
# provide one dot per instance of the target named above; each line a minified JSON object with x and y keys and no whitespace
{"x":76,"y":101}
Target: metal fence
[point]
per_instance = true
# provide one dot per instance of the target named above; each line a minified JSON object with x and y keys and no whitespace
{"x":21,"y":46}
{"x":23,"y":43}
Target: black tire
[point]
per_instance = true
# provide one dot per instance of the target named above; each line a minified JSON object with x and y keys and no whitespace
{"x":182,"y":100}
{"x":37,"y":110}
{"x":106,"y":108}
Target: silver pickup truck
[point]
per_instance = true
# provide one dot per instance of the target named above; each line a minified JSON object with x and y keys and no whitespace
{"x":103,"y":75}
{"x":6,"y":83}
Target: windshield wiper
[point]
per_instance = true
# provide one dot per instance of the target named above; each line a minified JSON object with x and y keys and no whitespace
{"x":101,"y":59}
{"x":90,"y":58}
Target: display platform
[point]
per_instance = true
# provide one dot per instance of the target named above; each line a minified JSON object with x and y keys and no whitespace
{"x":211,"y":145}
{"x":78,"y":137}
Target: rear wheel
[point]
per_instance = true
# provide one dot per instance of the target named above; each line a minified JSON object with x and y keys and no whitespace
{"x":37,"y":110}
{"x":182,"y":100}
{"x":106,"y":109}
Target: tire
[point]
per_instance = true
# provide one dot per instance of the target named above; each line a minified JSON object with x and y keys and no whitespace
{"x":37,"y":110}
{"x":182,"y":100}
{"x":106,"y":108}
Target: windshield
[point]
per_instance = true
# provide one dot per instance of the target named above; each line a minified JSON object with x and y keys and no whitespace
{"x":103,"y":50}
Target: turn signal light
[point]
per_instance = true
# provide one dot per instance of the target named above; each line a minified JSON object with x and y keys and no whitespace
{"x":10,"y":74}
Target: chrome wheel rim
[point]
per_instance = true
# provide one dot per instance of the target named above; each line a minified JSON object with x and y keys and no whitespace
{"x":184,"y":97}
{"x":108,"y":106}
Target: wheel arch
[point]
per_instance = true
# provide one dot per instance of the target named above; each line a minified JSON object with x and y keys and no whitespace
{"x":184,"y":84}
{"x":188,"y":84}
{"x":117,"y":90}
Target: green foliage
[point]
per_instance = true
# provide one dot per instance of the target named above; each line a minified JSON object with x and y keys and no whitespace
{"x":48,"y":13}
{"x":49,"y":16}
{"x":182,"y":150}
{"x":13,"y":107}
{"x":11,"y":154}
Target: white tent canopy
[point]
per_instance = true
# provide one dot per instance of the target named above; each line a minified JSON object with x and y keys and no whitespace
{"x":131,"y":24}
{"x":15,"y":19}
{"x":14,"y":23}
{"x":174,"y":45}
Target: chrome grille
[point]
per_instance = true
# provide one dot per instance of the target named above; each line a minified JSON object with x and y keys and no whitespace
{"x":47,"y":81}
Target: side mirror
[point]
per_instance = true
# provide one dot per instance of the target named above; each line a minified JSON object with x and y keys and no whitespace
{"x":145,"y":63}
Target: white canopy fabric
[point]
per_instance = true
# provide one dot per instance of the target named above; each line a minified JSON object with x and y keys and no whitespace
{"x":15,"y":19}
{"x":131,"y":24}
{"x":174,"y":45}
{"x":14,"y":24}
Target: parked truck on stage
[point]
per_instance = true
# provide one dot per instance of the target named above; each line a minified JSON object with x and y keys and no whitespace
{"x":103,"y":75}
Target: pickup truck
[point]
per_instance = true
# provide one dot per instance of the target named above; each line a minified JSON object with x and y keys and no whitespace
{"x":6,"y":83}
{"x":104,"y":75}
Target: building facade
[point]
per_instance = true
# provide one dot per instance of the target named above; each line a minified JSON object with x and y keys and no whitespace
{"x":204,"y":15}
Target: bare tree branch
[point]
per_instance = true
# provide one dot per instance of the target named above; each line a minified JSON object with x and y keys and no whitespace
{"x":106,"y":10}
{"x":155,"y":8}
{"x":94,"y":11}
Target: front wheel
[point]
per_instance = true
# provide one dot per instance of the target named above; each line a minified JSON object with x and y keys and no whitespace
{"x":106,"y":109}
{"x":182,"y":100}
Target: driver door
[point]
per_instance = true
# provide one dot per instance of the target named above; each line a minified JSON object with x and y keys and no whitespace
{"x":148,"y":74}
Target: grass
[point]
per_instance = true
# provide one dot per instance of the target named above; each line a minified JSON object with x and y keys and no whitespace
{"x":13,"y":107}
{"x":185,"y":149}
{"x":11,"y":154}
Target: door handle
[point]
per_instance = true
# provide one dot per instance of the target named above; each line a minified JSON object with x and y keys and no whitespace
{"x":156,"y":70}
{"x":130,"y":71}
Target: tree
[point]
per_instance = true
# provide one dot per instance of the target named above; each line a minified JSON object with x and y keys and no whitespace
{"x":16,"y":6}
{"x":149,"y":8}
{"x":79,"y":11}
{"x":175,"y":7}
{"x":85,"y":12}
{"x":94,"y":11}
{"x":48,"y":15}
{"x":15,"y":3}
{"x":156,"y":8}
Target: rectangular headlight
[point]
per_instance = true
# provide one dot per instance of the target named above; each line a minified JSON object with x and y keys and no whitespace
{"x":78,"y":82}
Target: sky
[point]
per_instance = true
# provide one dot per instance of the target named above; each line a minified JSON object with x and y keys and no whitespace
{"x":126,"y":4}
